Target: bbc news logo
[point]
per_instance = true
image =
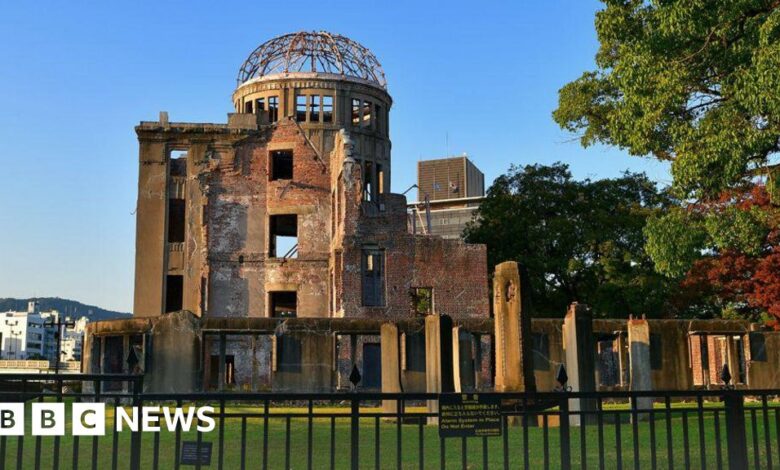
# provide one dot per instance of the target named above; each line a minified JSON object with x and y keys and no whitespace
{"x":89,"y":419}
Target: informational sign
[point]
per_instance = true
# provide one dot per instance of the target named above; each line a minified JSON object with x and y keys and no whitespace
{"x":190,"y":454}
{"x":469,"y":415}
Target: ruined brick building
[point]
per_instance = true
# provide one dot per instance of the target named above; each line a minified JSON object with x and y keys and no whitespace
{"x":286,"y":212}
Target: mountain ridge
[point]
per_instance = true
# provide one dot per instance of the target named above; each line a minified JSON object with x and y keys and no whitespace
{"x":69,"y":308}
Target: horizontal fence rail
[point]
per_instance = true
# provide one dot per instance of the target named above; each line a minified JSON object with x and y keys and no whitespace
{"x":707,"y":429}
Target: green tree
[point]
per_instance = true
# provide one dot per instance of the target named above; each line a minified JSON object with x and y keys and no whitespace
{"x":696,"y":83}
{"x":578,"y":240}
{"x":693,"y":82}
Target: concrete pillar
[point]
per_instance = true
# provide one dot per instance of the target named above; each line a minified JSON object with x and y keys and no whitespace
{"x":639,"y":357}
{"x":514,"y":360}
{"x":391,"y":368}
{"x":579,"y":349}
{"x":456,"y":384}
{"x":438,"y":359}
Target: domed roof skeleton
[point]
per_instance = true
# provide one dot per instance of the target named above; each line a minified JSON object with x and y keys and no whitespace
{"x":323,"y":52}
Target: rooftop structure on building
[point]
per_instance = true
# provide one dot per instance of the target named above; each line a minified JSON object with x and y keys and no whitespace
{"x":449,"y":190}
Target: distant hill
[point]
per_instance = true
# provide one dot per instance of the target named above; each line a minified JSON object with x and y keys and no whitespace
{"x":69,"y":308}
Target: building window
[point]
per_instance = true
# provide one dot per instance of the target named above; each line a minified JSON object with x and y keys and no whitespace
{"x":377,"y":116}
{"x":327,"y":108}
{"x":300,"y":108}
{"x":273,"y":108}
{"x":281,"y":165}
{"x":373,"y":271}
{"x":372,"y":366}
{"x":284,"y":236}
{"x":355,"y":112}
{"x":248,"y":107}
{"x":314,"y":108}
{"x":283,"y":304}
{"x":178,"y":163}
{"x":176,"y":214}
{"x":380,"y":179}
{"x":174,"y":293}
{"x":368,"y":173}
{"x":259,"y":105}
{"x":366,"y":114}
{"x":422,"y":300}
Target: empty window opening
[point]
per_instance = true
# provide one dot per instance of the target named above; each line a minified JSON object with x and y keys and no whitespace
{"x":259,"y":105}
{"x":273,"y":108}
{"x":281,"y":165}
{"x":380,"y":179}
{"x":248,"y":107}
{"x":366,"y":114}
{"x":355,"y":112}
{"x":314,"y":108}
{"x":414,"y":351}
{"x":373,"y":277}
{"x":368,"y":174}
{"x":283,"y":304}
{"x":178,"y":163}
{"x":176,"y":214}
{"x":327,"y":108}
{"x":284,"y":236}
{"x":230,"y":368}
{"x":422,"y":300}
{"x":174,"y":293}
{"x":377,"y":116}
{"x":300,"y":108}
{"x":372,"y":366}
{"x":288,"y":351}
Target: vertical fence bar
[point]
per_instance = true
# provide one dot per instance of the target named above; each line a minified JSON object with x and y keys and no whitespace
{"x":600,"y":423}
{"x":754,"y":428}
{"x":464,"y":454}
{"x":546,"y":440}
{"x":56,"y":457}
{"x":735,"y":430}
{"x":333,"y":443}
{"x":398,"y":422}
{"x":376,"y":443}
{"x":505,"y":439}
{"x":526,"y":455}
{"x":702,"y":446}
{"x":668,"y":415}
{"x":767,"y":438}
{"x":243,"y":443}
{"x":421,"y":444}
{"x":686,"y":441}
{"x":135,"y":435}
{"x":653,"y":457}
{"x":484,"y":453}
{"x":176,"y":458}
{"x":309,"y":436}
{"x":718,"y":449}
{"x":75,"y":461}
{"x":618,"y":442}
{"x":565,"y":433}
{"x":635,"y":431}
{"x":265,"y":435}
{"x":287,"y":442}
{"x":355,"y":433}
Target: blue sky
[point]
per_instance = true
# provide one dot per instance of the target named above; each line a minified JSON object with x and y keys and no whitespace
{"x":76,"y":77}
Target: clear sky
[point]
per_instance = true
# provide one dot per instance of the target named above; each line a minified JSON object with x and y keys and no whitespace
{"x":76,"y":77}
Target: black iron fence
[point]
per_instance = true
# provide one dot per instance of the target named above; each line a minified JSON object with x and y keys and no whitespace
{"x":734,"y":429}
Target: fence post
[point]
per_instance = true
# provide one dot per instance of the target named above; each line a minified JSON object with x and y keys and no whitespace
{"x":355,"y":432}
{"x":565,"y":432}
{"x":735,"y":429}
{"x":135,"y":437}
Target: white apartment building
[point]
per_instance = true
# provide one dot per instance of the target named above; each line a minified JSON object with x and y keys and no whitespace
{"x":33,"y":335}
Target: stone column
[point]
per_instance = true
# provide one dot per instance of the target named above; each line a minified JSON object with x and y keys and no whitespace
{"x":639,"y":359}
{"x":579,"y":349}
{"x":438,"y":359}
{"x":514,"y":360}
{"x":391,"y":369}
{"x":456,"y":384}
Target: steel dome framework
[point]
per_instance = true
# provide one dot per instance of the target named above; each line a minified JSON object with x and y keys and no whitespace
{"x":319,"y":52}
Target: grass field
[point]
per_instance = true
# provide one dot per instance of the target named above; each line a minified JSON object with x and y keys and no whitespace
{"x":416,"y":440}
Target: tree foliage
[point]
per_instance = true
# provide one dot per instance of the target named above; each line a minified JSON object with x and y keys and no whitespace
{"x":694,"y":82}
{"x":578,"y":240}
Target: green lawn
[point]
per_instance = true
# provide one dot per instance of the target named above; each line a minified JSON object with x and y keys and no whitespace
{"x":410,"y":443}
